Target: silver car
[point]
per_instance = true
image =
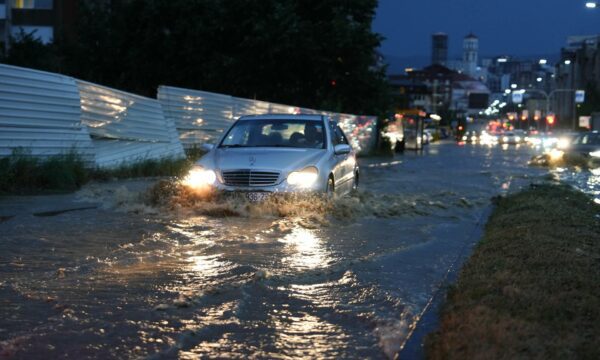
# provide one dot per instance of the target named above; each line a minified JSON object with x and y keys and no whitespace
{"x":273,"y":153}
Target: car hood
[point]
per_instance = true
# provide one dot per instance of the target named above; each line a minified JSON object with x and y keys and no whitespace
{"x":278,"y":159}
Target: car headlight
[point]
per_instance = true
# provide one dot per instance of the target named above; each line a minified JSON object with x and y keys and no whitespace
{"x":595,"y":154}
{"x":303,"y":178}
{"x":517,"y":138}
{"x":200,"y":176}
{"x":505,"y":139}
{"x":556,"y":155}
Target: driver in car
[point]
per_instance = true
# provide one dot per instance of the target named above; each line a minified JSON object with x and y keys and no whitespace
{"x":312,"y":136}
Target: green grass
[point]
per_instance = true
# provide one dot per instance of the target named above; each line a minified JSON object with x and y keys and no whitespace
{"x":144,"y":168}
{"x":531,"y":289}
{"x":21,"y":173}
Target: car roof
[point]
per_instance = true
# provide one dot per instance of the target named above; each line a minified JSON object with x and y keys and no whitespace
{"x":282,"y":117}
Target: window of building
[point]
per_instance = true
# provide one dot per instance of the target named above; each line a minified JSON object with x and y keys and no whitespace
{"x":33,"y":4}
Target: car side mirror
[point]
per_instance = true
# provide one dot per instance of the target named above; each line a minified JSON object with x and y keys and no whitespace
{"x":341,"y":149}
{"x":208,"y":147}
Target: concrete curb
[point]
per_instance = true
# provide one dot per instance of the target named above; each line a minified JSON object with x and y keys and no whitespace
{"x":428,"y":320}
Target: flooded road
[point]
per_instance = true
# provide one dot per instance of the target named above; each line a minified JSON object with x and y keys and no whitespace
{"x":121,"y":279}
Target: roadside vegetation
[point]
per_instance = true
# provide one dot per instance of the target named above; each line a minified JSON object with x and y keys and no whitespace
{"x":531,"y":288}
{"x":22,"y":173}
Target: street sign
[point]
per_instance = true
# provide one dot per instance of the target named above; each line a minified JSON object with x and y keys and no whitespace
{"x":517,"y":97}
{"x":580,"y":96}
{"x":584,"y":122}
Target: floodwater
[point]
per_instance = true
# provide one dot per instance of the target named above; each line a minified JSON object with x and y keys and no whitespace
{"x":586,"y":180}
{"x":312,"y":279}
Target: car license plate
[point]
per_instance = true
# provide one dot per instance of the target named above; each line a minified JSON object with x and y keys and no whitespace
{"x":257,"y":196}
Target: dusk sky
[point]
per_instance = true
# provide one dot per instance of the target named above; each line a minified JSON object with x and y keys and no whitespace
{"x":514,"y":27}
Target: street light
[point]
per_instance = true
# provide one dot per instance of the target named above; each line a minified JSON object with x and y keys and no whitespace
{"x":591,"y":4}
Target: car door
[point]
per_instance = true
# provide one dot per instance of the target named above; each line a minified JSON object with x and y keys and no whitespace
{"x":344,"y":173}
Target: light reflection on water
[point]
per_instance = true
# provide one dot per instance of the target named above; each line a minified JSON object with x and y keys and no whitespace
{"x":306,"y":250}
{"x":587,"y":181}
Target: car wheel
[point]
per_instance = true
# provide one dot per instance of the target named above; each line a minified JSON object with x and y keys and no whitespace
{"x":330,"y":192}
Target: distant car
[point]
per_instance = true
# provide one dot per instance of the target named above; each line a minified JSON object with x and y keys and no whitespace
{"x":470,"y":136}
{"x":564,"y":141}
{"x":534,"y":140}
{"x":510,"y":137}
{"x":586,"y":144}
{"x":275,"y":153}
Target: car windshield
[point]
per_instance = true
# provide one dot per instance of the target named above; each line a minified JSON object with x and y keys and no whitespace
{"x":276,"y":133}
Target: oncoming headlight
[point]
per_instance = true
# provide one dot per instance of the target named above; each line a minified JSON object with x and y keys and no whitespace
{"x":199,"y":176}
{"x":303,"y":178}
{"x":556,"y":155}
{"x":595,"y":154}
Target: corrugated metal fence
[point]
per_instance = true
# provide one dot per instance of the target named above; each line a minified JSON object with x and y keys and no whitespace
{"x":40,"y":113}
{"x":125,"y":127}
{"x":202,"y":117}
{"x":47,"y":114}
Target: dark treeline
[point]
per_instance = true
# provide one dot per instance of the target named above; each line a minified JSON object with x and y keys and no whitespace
{"x":311,"y":53}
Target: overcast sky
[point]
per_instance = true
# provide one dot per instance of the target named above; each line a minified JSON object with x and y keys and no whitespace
{"x":513,"y":27}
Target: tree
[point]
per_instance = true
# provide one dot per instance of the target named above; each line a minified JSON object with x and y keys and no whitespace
{"x":309,"y":53}
{"x":28,"y":51}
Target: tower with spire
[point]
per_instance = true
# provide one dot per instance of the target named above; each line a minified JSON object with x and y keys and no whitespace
{"x":470,"y":54}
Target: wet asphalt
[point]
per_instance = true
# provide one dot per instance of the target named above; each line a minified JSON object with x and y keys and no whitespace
{"x":100,"y":274}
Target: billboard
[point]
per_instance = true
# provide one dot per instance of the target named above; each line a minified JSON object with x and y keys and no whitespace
{"x":478,"y":100}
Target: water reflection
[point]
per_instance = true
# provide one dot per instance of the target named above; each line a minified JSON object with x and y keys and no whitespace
{"x":303,"y":335}
{"x":206,"y":265}
{"x":306,"y":248}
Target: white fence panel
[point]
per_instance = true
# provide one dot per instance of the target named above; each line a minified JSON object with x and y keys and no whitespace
{"x":199,"y":116}
{"x":126,"y":128}
{"x":116,"y":114}
{"x":40,"y":112}
{"x":202,"y":117}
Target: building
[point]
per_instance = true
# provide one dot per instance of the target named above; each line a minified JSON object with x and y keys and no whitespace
{"x":470,"y":55}
{"x":578,"y":69}
{"x":410,"y":93}
{"x":43,"y":19}
{"x":439,"y":51}
{"x":4,"y":23}
{"x":438,"y":89}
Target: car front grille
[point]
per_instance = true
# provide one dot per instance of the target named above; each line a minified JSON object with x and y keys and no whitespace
{"x":249,"y":177}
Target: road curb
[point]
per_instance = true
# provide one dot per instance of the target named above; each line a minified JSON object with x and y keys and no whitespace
{"x":428,"y":319}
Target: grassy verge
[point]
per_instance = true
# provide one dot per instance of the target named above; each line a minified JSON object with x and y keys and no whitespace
{"x":532,"y":286}
{"x":20,"y":173}
{"x":144,"y":168}
{"x":24,"y":174}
